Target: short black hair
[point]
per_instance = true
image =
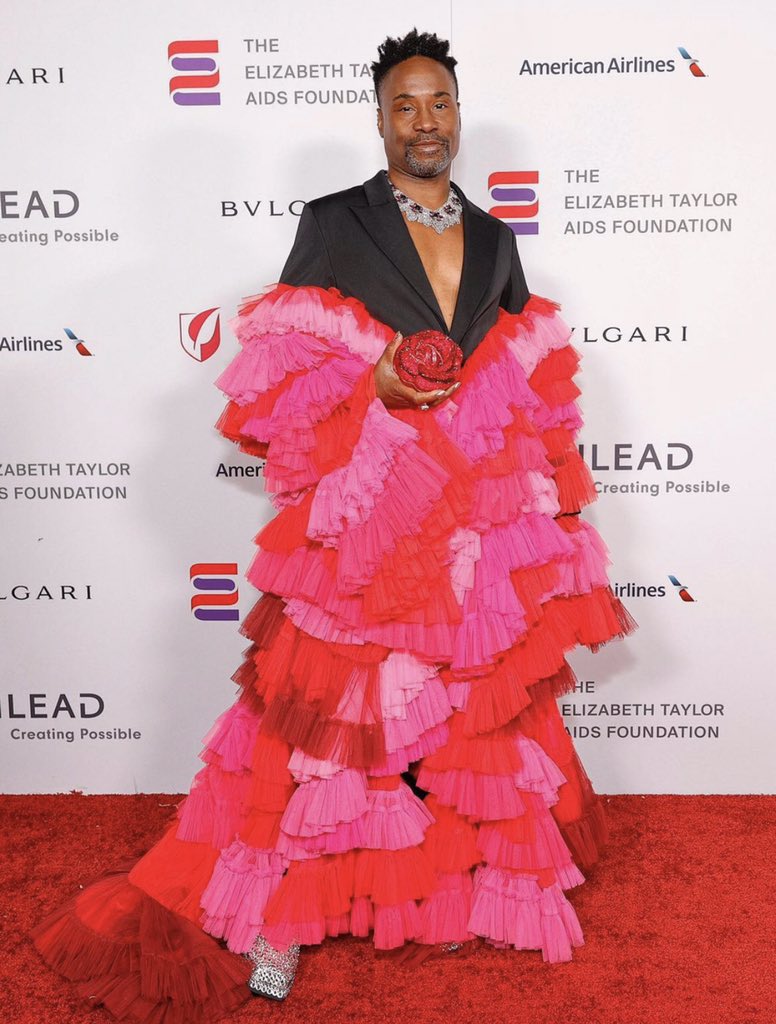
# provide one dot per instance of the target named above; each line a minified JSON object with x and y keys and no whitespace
{"x":415,"y":44}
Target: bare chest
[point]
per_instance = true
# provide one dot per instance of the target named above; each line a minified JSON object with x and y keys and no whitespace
{"x":442,"y":259}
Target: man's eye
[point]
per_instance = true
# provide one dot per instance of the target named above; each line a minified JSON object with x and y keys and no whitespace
{"x":441,"y":104}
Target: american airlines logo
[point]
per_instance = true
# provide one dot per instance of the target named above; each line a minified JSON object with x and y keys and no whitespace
{"x":80,"y":347}
{"x":695,"y":68}
{"x":684,"y":593}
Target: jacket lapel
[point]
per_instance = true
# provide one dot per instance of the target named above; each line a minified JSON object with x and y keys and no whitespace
{"x":384,"y":222}
{"x":480,"y":235}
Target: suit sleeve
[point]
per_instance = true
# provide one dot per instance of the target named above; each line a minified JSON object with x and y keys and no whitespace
{"x":308,"y":262}
{"x":515,"y":294}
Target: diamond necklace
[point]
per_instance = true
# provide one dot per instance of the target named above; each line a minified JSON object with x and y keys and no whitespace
{"x":446,"y":216}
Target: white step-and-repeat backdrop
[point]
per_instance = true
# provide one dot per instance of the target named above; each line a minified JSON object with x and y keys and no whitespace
{"x":156,"y":158}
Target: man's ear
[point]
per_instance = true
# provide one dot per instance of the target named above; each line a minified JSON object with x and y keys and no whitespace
{"x":380,"y":125}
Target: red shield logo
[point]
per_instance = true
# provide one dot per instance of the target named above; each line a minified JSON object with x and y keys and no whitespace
{"x":200,"y":333}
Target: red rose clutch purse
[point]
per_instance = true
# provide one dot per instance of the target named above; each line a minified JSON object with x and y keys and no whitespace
{"x":428,"y":361}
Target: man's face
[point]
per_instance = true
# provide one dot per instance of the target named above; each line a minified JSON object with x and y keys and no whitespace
{"x":419,"y":118}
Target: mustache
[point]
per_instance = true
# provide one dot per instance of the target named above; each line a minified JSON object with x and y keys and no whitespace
{"x":429,"y":138}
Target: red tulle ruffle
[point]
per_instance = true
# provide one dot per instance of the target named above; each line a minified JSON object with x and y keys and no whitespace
{"x":142,"y":962}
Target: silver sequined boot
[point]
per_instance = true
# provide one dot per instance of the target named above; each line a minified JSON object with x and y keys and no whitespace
{"x":273,"y":971}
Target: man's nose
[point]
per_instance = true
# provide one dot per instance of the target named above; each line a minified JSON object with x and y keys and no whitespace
{"x":425,"y":120}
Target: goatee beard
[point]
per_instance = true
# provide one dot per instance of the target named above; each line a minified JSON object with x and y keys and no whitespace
{"x":430,"y":166}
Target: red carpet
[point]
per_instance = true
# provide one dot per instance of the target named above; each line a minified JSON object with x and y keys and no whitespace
{"x":678,"y":916}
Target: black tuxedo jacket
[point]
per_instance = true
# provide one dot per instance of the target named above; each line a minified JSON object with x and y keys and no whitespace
{"x":357,"y":241}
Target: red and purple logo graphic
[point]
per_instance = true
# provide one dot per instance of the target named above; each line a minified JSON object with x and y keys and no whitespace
{"x":80,"y":348}
{"x":520,"y":202}
{"x":197,"y":86}
{"x":684,"y":593}
{"x":200,"y":333}
{"x":695,"y":68}
{"x":216,"y":579}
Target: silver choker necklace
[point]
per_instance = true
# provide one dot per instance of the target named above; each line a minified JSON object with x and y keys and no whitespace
{"x":445,"y":217}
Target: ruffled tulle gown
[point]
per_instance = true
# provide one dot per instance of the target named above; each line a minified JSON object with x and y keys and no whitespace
{"x":422,"y":583}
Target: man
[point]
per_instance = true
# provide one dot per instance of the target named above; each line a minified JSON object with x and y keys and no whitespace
{"x":409,"y":274}
{"x":423,"y":578}
{"x":407,"y":251}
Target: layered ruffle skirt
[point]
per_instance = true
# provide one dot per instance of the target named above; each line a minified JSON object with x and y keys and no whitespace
{"x":422,"y":582}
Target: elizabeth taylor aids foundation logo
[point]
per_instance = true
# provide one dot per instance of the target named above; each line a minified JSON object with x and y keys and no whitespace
{"x":216,"y":600}
{"x":197,"y":75}
{"x":517,"y":200}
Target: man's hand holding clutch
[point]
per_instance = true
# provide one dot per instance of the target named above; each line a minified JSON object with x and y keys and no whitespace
{"x":410,"y":371}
